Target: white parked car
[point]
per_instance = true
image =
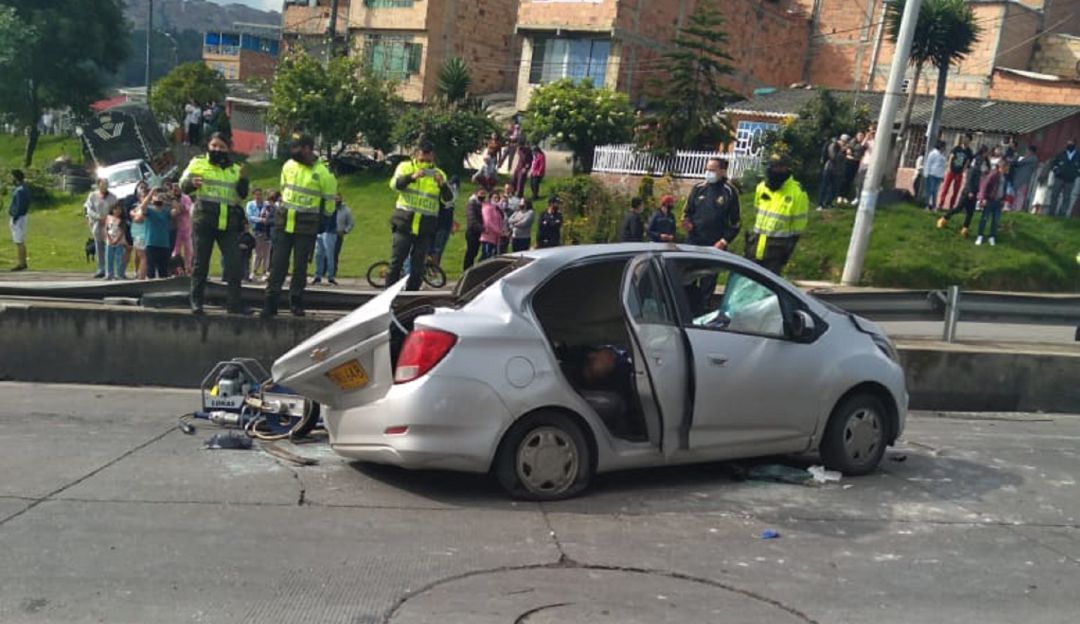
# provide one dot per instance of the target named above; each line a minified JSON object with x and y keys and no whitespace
{"x":549,"y":366}
{"x":123,"y":177}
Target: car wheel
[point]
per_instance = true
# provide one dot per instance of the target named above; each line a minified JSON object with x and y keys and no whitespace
{"x":544,"y":456}
{"x":854,"y":439}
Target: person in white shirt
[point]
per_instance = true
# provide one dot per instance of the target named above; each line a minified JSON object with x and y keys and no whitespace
{"x":193,"y":122}
{"x":935,"y":173}
{"x":97,"y":207}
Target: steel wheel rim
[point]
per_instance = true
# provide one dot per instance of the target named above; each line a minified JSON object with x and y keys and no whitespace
{"x":547,"y":461}
{"x":862,"y":435}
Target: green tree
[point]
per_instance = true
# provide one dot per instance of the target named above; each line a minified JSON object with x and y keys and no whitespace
{"x":336,"y":101}
{"x":944,"y":33}
{"x":820,"y":119}
{"x":56,"y":54}
{"x":580,"y":116}
{"x":455,"y":80}
{"x":688,"y":96}
{"x":455,"y":122}
{"x":190,"y":82}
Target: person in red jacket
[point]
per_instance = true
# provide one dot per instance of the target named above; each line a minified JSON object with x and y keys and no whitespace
{"x":992,"y":199}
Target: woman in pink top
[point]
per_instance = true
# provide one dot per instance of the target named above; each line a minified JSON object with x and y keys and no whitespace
{"x":181,"y":213}
{"x":493,"y":229}
{"x":537,"y":171}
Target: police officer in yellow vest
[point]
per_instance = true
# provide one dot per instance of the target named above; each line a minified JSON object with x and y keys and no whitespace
{"x":422,"y":189}
{"x":307,"y":194}
{"x":782,"y":207}
{"x":218,"y":185}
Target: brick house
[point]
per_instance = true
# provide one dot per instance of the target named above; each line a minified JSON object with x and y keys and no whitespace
{"x":242,"y":54}
{"x":409,"y":40}
{"x":617,"y":43}
{"x":850,"y":49}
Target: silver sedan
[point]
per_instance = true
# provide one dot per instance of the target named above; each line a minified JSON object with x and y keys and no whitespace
{"x":547,"y":367}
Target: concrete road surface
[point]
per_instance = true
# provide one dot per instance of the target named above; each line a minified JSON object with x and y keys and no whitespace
{"x":108,"y":513}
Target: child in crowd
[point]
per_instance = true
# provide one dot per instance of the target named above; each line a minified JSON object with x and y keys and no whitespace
{"x":114,"y":242}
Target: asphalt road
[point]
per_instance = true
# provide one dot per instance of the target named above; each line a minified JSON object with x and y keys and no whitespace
{"x":109,"y":514}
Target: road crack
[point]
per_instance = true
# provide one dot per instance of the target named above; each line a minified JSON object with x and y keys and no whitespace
{"x":86,"y":476}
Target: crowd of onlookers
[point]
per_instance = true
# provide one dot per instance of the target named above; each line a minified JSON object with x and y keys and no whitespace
{"x":997,"y":179}
{"x":844,"y":162}
{"x":201,"y":121}
{"x":151,"y":232}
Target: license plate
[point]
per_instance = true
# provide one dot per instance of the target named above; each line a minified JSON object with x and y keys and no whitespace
{"x":348,"y":376}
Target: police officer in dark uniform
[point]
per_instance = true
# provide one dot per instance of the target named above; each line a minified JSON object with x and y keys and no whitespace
{"x":712,"y":216}
{"x":711,"y":219}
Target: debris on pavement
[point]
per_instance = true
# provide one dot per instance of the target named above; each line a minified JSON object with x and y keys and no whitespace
{"x":821,"y":475}
{"x":898,"y":458}
{"x":778,"y":473}
{"x":770,"y":534}
{"x":281,"y":453}
{"x":229,"y":440}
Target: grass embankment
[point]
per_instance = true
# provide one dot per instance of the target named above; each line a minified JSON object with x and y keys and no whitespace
{"x":906,"y":250}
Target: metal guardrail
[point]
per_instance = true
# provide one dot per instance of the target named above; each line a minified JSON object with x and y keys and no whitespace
{"x":948,"y":306}
{"x":952,"y":305}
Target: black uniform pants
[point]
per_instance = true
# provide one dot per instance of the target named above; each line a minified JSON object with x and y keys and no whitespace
{"x":300,"y":247}
{"x":416,"y":247}
{"x":778,"y":251}
{"x":472,"y":247}
{"x":206,"y":234}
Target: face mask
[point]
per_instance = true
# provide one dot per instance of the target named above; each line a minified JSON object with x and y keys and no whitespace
{"x":712,"y":177}
{"x":218,"y":158}
{"x":774,"y":178}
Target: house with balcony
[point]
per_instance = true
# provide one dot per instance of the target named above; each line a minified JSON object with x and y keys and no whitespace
{"x":242,"y":53}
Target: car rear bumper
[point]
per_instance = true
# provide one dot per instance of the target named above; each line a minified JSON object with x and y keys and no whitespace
{"x":452,"y":424}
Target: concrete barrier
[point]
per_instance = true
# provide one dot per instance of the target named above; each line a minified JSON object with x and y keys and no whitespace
{"x":131,"y":346}
{"x":1000,"y":377}
{"x":73,"y":343}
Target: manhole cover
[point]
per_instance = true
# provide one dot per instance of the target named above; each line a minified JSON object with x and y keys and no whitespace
{"x":597,"y":596}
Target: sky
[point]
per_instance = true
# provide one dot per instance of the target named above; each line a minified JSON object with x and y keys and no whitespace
{"x":266,"y":5}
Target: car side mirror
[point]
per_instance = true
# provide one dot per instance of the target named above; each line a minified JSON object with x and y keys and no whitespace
{"x":802,"y":325}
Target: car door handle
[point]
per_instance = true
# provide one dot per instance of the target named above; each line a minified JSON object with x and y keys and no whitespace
{"x":717,"y":359}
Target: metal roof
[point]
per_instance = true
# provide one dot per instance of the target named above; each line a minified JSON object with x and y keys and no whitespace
{"x":993,"y":116}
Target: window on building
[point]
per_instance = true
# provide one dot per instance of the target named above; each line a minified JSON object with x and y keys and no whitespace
{"x":749,"y":135}
{"x":393,"y":56}
{"x":555,"y":58}
{"x":387,"y":4}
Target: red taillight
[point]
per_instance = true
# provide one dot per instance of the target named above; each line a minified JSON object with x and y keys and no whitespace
{"x":423,"y":349}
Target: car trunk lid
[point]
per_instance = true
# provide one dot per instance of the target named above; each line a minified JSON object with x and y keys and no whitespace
{"x":348,"y":363}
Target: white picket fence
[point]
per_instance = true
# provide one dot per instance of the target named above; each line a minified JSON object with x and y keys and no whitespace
{"x":627,"y":159}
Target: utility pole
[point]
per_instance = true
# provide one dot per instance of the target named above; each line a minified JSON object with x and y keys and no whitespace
{"x":864,"y":218}
{"x":149,"y":36}
{"x":331,"y":30}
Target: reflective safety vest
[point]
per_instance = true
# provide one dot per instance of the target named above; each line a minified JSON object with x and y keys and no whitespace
{"x":421,"y":197}
{"x":218,"y":190}
{"x":780,"y":214}
{"x":306,"y":194}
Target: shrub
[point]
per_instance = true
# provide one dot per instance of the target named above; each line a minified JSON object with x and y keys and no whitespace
{"x":592,"y":211}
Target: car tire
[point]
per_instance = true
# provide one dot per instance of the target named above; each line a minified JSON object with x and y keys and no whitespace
{"x":544,"y":456}
{"x":856,"y":435}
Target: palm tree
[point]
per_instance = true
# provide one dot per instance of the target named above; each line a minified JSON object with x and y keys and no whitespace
{"x":944,"y":34}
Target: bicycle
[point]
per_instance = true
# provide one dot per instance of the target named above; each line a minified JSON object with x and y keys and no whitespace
{"x":434,"y":276}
